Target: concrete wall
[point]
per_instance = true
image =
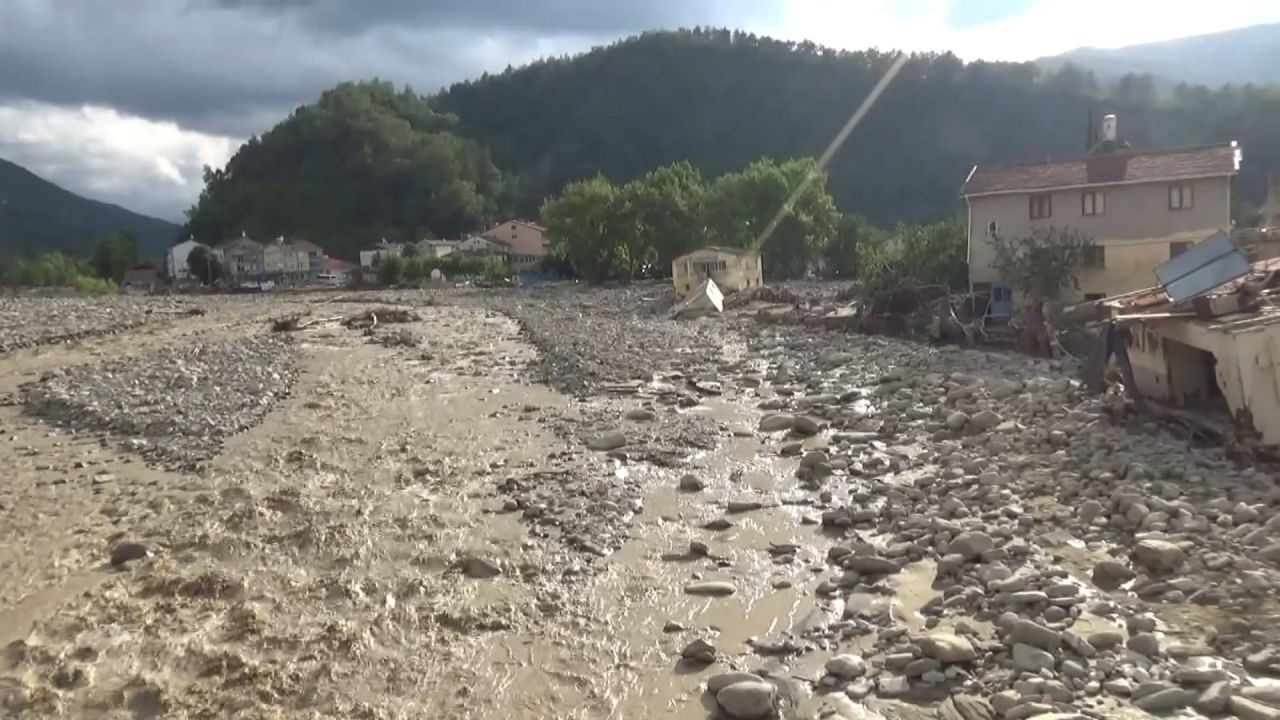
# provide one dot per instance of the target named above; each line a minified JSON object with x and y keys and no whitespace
{"x":176,"y":259}
{"x":740,"y":271}
{"x":1136,"y":228}
{"x":1247,"y":369}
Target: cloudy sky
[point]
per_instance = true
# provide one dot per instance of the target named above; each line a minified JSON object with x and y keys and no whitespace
{"x":126,"y":100}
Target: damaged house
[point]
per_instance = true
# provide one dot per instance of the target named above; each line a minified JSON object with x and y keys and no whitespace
{"x":1140,"y":208}
{"x":1208,"y":339}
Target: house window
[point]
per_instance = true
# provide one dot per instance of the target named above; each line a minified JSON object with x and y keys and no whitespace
{"x":1092,"y":203}
{"x":1180,"y":196}
{"x":1041,"y":206}
{"x":1095,"y":256}
{"x":1177,"y":248}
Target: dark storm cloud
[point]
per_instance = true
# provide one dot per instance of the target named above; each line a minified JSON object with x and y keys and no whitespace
{"x":572,"y":16}
{"x":236,"y":66}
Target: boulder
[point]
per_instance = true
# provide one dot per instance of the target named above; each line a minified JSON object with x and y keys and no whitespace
{"x":1111,"y":574}
{"x":1035,"y":635}
{"x":714,"y":588}
{"x":846,"y":666}
{"x":716,"y":683}
{"x":971,"y":545}
{"x":748,"y":699}
{"x":777,"y":422}
{"x":607,"y":441}
{"x":948,"y":648}
{"x":1158,"y":555}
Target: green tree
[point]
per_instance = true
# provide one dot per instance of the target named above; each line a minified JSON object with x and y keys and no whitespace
{"x":413,"y":269}
{"x":390,"y":270}
{"x":582,"y":222}
{"x":934,"y":254}
{"x":741,"y":206}
{"x":1043,"y":264}
{"x":364,"y":156}
{"x":667,"y":205}
{"x":410,"y":250}
{"x":115,"y":254}
{"x":202,"y":264}
{"x":841,"y":253}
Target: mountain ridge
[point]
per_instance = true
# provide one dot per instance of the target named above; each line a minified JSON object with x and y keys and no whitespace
{"x":37,"y":215}
{"x":1244,"y":55}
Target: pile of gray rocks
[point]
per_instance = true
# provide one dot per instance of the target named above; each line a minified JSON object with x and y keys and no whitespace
{"x":31,"y":321}
{"x":175,"y":406}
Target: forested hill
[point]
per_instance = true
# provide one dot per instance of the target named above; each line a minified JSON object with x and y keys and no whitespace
{"x":37,"y":216}
{"x":368,"y":160}
{"x":722,"y":98}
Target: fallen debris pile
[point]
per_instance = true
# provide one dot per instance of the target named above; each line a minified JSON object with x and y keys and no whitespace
{"x":370,"y":319}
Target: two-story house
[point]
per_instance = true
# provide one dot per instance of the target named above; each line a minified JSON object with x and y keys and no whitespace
{"x":283,"y":260}
{"x":242,"y":258}
{"x":528,"y":242}
{"x":1140,"y":207}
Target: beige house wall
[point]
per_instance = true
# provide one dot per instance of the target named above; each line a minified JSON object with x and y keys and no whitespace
{"x":285,"y":260}
{"x":529,"y":244}
{"x":1247,"y":368}
{"x":740,"y":271}
{"x":1135,"y":229}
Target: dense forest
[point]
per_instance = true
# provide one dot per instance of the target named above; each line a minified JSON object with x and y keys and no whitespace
{"x":368,"y":161}
{"x":364,"y":162}
{"x":721,"y":99}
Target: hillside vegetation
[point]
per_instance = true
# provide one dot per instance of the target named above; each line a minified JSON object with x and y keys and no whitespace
{"x":37,"y":216}
{"x":368,"y":161}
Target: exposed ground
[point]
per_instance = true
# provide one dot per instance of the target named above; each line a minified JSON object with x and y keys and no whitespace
{"x":556,"y":503}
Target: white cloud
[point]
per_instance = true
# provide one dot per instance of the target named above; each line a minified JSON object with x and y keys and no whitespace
{"x":1047,"y":28}
{"x":147,"y":166}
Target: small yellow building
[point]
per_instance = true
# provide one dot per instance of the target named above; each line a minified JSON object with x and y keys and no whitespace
{"x":732,"y":269}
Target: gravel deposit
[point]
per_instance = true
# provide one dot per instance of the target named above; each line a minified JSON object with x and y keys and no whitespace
{"x":591,"y":337}
{"x":174,"y":406}
{"x":31,"y":321}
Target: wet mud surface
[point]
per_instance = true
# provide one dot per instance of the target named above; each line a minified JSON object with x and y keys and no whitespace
{"x":558,"y":503}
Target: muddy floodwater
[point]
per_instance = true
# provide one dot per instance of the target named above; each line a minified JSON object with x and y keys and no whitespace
{"x":562,"y":504}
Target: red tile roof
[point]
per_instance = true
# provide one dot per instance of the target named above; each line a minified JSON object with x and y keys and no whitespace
{"x":305,"y":245}
{"x":1125,"y":166}
{"x":337,"y":265}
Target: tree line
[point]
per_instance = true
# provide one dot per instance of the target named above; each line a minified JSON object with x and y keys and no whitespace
{"x":368,"y":160}
{"x":721,"y":98}
{"x":102,"y":271}
{"x":609,"y":232}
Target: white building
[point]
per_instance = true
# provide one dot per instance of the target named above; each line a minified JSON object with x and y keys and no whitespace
{"x":175,"y":259}
{"x":379,"y":251}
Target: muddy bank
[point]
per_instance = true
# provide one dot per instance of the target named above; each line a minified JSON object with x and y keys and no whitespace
{"x":424,"y":527}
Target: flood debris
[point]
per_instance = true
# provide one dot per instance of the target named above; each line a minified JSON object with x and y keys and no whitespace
{"x":1189,"y":350}
{"x":370,"y":319}
{"x":705,"y":299}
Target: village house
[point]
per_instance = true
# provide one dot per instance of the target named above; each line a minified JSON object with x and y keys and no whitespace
{"x":176,"y":262}
{"x":242,"y":258}
{"x":437,"y":248}
{"x":315,"y":255}
{"x":483,"y":245}
{"x":1139,"y":207}
{"x":337,"y":272}
{"x":1207,"y":345}
{"x":142,"y":280}
{"x":283,"y":260}
{"x":374,"y":254}
{"x":527,"y":242}
{"x":731,"y":269}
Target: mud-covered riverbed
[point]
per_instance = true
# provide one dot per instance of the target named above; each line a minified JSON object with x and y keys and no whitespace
{"x":558,"y":503}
